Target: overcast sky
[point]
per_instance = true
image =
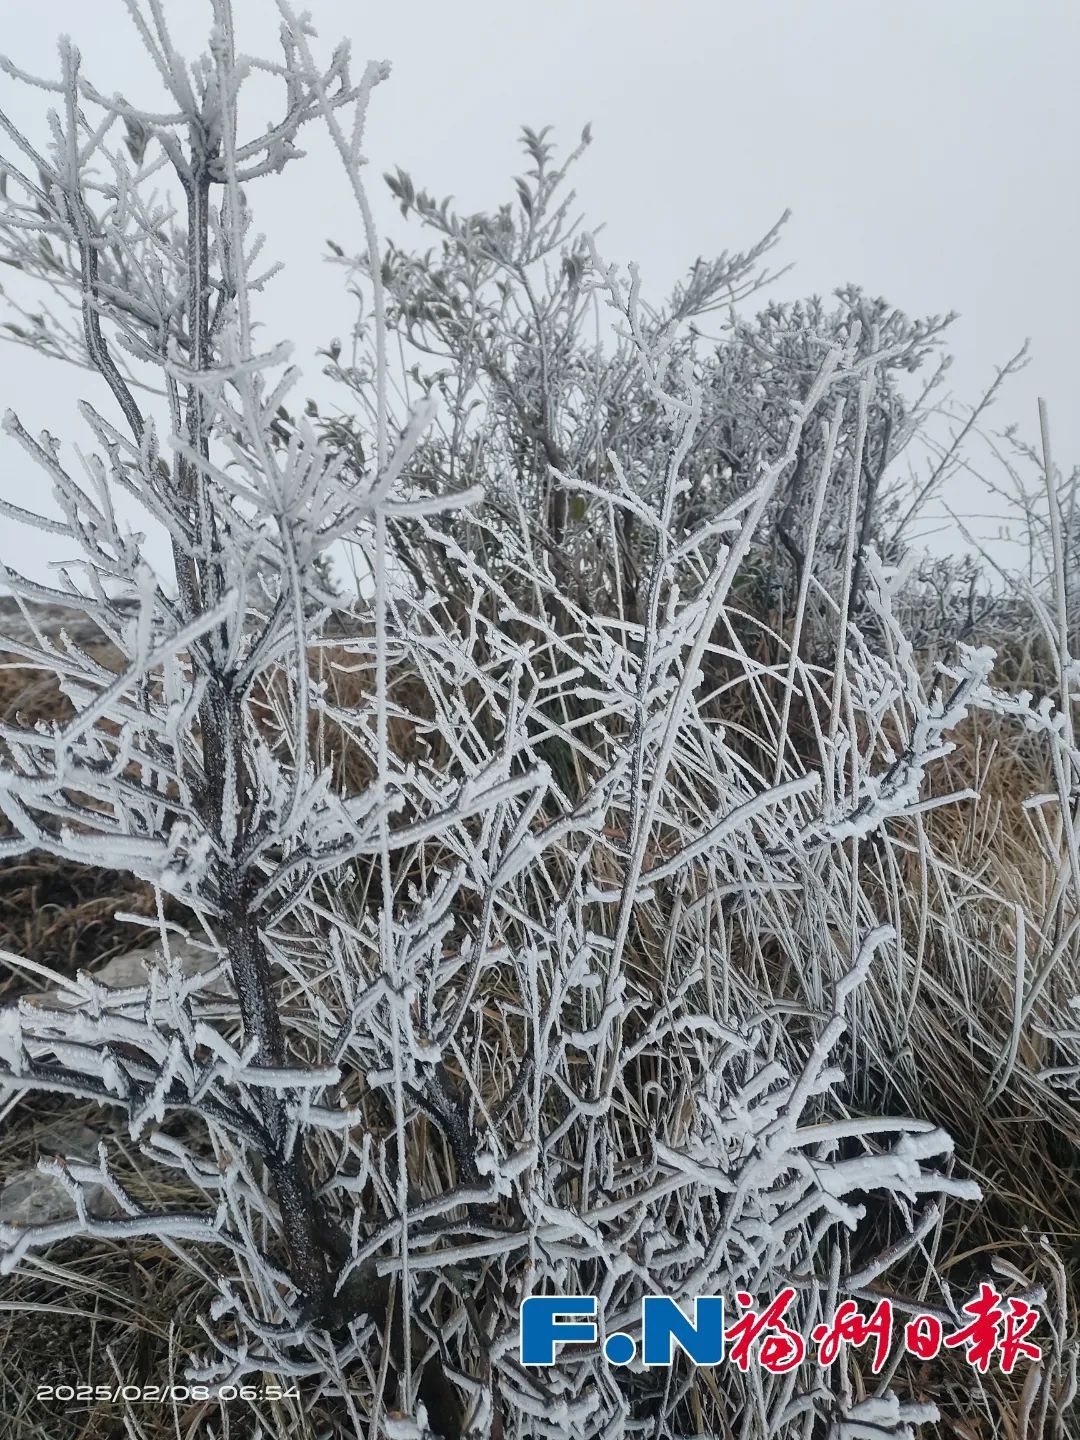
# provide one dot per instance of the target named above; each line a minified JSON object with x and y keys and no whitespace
{"x":927,"y":149}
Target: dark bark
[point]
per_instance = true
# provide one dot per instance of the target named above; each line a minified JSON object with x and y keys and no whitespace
{"x":225,"y":785}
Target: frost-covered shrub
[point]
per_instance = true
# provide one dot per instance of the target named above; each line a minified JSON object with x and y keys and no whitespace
{"x":500,"y":320}
{"x":502,"y":1012}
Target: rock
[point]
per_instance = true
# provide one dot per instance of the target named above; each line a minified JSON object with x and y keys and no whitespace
{"x":31,"y":1198}
{"x":124,"y":971}
{"x":129,"y":971}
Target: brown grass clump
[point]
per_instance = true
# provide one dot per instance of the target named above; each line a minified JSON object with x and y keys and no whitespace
{"x":53,"y":911}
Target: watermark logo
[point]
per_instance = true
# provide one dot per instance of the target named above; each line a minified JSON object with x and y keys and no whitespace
{"x":549,"y":1322}
{"x":996,"y":1330}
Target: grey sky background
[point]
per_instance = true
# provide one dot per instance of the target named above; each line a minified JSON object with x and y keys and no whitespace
{"x":927,"y":149}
